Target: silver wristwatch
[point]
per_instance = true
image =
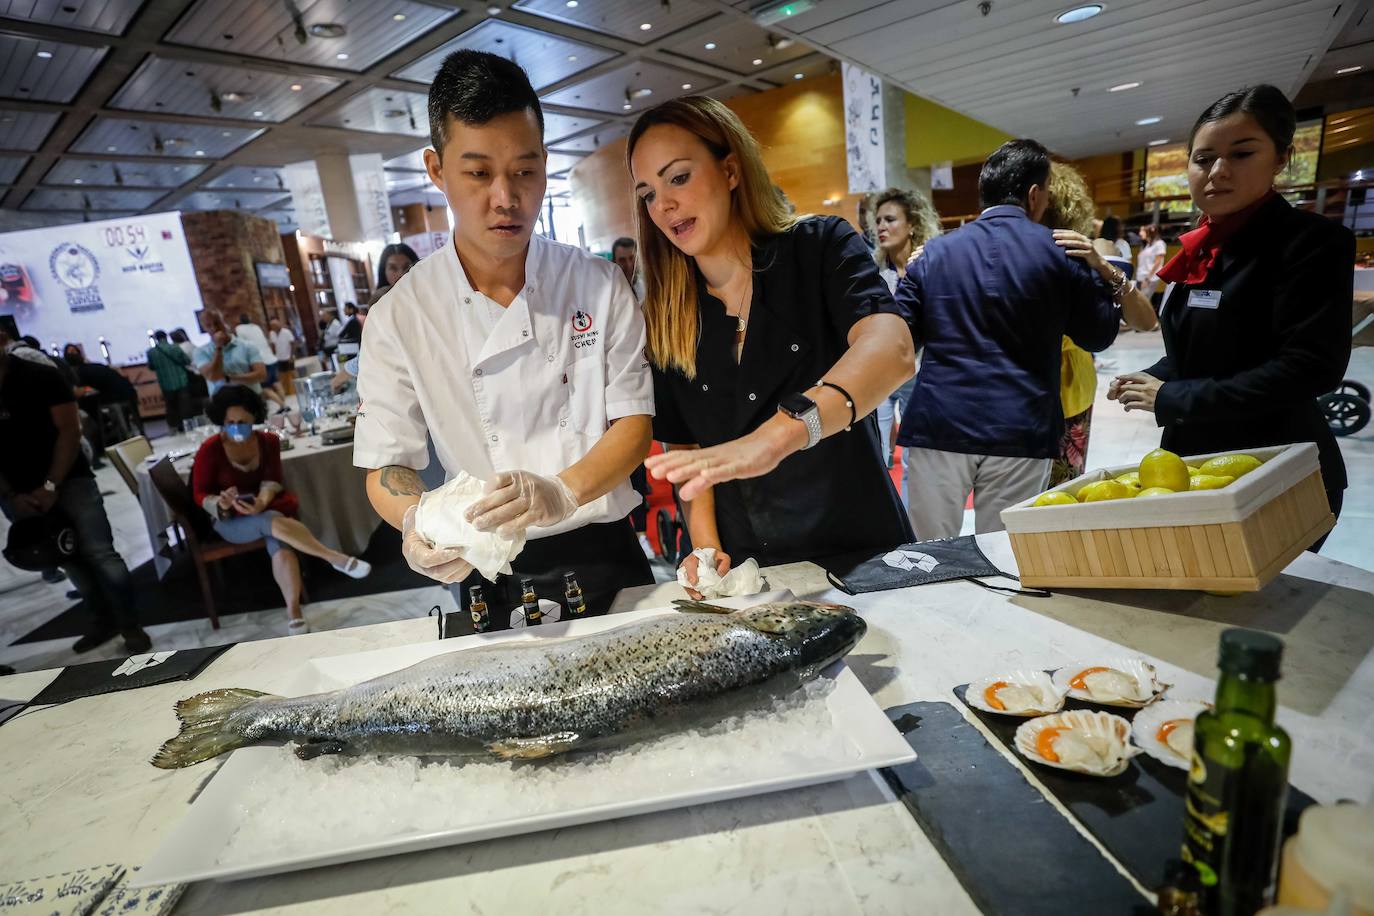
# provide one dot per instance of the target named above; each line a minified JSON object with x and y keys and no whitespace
{"x":799,"y":407}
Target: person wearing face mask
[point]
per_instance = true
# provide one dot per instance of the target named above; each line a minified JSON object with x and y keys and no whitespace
{"x":773,"y":340}
{"x":237,"y":479}
{"x":1256,"y":316}
{"x":521,"y":357}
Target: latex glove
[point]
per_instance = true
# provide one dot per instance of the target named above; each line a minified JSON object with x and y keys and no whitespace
{"x":442,"y":565}
{"x":516,"y":500}
{"x":692,"y":562}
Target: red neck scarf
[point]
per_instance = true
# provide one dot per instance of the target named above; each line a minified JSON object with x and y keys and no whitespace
{"x":1202,"y":246}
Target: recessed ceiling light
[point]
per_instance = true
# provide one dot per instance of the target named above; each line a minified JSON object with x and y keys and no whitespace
{"x":627,"y":106}
{"x":1123,"y":87}
{"x":641,"y":92}
{"x":797,"y":76}
{"x":44,"y":55}
{"x":1160,"y":142}
{"x":328,"y":30}
{"x":200,"y":152}
{"x":76,"y":181}
{"x":1339,"y":72}
{"x":710,"y":45}
{"x":296,"y":87}
{"x":645,"y":26}
{"x":110,"y":149}
{"x":493,"y":10}
{"x":686,"y":85}
{"x":257,"y":178}
{"x":1143,"y":122}
{"x":1078,"y":14}
{"x":257,"y":114}
{"x":757,"y":61}
{"x":342,"y":55}
{"x":399,"y":17}
{"x":224,"y":133}
{"x":572,"y":4}
{"x":572,"y":58}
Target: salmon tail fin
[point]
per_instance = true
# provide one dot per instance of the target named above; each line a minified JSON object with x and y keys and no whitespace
{"x":700,"y":607}
{"x":203,"y":733}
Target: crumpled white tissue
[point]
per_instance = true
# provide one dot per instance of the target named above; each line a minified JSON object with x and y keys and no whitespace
{"x":439,"y":520}
{"x":744,"y":579}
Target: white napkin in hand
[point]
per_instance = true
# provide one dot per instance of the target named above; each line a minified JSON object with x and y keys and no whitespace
{"x":744,"y":579}
{"x":439,"y":520}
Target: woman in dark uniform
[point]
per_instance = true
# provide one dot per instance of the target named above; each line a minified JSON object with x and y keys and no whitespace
{"x":1257,"y":316}
{"x":772,"y":341}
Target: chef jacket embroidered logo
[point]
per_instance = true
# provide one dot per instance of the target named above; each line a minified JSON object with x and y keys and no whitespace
{"x":581,"y":322}
{"x":583,"y":335}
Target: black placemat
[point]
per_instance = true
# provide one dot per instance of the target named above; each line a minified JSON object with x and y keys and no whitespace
{"x":1011,"y":852}
{"x":1137,"y":816}
{"x":94,"y":678}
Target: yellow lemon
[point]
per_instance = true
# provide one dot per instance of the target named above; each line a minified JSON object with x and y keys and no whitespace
{"x":1208,"y":481}
{"x":1104,"y":490}
{"x":1229,"y":465}
{"x":1161,"y":468}
{"x":1057,"y":498}
{"x":1132,"y":485}
{"x":1131,"y":477}
{"x":1192,"y":470}
{"x":1153,"y":491}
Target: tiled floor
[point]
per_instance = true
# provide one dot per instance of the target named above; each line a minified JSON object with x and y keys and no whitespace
{"x":26,"y":601}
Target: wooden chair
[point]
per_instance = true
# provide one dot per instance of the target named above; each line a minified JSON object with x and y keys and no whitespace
{"x":198,"y":532}
{"x":126,"y":456}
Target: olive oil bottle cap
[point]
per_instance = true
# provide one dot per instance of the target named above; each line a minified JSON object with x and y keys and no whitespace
{"x":568,"y":577}
{"x":1250,"y":654}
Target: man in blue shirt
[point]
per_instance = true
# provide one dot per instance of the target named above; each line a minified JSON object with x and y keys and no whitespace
{"x":227,"y":359}
{"x":990,"y":302}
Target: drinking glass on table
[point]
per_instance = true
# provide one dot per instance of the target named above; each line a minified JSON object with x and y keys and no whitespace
{"x":294,"y":418}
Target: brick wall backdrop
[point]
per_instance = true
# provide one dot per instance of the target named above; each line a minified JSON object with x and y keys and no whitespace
{"x":224,"y":246}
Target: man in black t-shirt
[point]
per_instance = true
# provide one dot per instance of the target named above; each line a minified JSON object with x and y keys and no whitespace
{"x":48,"y":472}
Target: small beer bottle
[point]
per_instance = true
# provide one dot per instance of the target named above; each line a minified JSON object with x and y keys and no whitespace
{"x":577,"y":605}
{"x":477,"y":606}
{"x":533,"y":616}
{"x":1238,"y":780}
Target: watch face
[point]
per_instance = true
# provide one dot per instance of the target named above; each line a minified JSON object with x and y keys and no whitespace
{"x":795,"y":404}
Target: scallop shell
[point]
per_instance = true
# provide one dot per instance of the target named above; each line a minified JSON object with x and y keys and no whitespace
{"x":1138,"y":668}
{"x":1145,"y":728}
{"x":1114,"y":729}
{"x":1054,"y":694}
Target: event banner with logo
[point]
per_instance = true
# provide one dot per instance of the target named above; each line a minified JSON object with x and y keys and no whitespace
{"x":114,"y":279}
{"x":865,"y":148}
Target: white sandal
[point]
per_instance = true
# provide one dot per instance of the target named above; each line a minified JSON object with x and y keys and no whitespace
{"x":354,"y":567}
{"x":297,"y":625}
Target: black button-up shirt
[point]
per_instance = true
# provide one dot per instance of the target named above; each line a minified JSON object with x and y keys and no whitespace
{"x":811,"y":284}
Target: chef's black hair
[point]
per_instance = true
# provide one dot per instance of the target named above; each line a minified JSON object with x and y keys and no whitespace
{"x":1010,"y":172}
{"x":1266,"y":104}
{"x":475,"y":87}
{"x":236,"y":396}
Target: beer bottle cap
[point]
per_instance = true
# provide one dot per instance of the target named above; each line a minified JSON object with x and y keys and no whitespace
{"x":1250,"y":654}
{"x":475,"y":593}
{"x":568,"y":577}
{"x":526,"y":582}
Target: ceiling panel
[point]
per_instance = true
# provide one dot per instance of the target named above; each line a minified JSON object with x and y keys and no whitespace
{"x":608,"y":91}
{"x":561,"y":162}
{"x":25,"y":130}
{"x":248,"y":178}
{"x":230,"y":200}
{"x":110,"y":16}
{"x":805,"y":68}
{"x":130,"y":136}
{"x":126,"y":174}
{"x":184,"y":87}
{"x":736,"y":45}
{"x":81,"y":199}
{"x":546,"y":58}
{"x":410,"y":162}
{"x":588,"y":143}
{"x":10,"y":167}
{"x":383,"y":111}
{"x":557,"y":126}
{"x":373,"y":29}
{"x":622,"y":18}
{"x":285,"y":219}
{"x":44,"y":71}
{"x":405,"y":181}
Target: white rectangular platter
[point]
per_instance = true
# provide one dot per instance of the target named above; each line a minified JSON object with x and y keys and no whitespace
{"x":200,"y":847}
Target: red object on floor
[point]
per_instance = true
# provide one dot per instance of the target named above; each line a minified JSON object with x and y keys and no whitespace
{"x":660,"y":500}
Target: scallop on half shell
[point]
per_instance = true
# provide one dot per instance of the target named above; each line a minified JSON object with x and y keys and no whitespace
{"x":1016,"y":693}
{"x":1128,"y":682}
{"x":1164,"y":730}
{"x":1095,"y":743}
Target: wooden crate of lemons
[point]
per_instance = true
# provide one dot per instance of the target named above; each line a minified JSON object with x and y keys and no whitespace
{"x":1226,"y":522}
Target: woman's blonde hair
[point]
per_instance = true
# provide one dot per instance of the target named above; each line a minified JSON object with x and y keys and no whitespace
{"x":1071,"y":203}
{"x":670,"y":281}
{"x":920,"y":215}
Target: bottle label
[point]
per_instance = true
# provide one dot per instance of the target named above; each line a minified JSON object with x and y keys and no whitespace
{"x":479,"y":618}
{"x":1205,"y":820}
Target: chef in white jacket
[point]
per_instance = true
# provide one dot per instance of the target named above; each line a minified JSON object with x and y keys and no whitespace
{"x":522,"y":358}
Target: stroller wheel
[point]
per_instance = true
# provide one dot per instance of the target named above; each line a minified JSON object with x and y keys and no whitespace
{"x":1350,"y":386}
{"x":1346,"y":414}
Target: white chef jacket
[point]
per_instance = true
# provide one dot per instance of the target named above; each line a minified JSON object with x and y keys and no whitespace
{"x":532,"y":387}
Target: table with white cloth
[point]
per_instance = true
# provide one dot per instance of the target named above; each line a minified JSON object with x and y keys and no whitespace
{"x":80,"y":791}
{"x":332,"y":493}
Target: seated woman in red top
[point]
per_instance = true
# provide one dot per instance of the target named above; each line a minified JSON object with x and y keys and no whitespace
{"x":237,"y":479}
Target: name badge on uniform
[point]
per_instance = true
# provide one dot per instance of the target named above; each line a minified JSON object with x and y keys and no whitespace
{"x":1204,"y":299}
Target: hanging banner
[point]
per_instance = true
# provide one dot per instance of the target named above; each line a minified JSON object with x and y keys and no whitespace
{"x":865,"y":151}
{"x":374,"y":204}
{"x":307,"y":198}
{"x":117,"y":279}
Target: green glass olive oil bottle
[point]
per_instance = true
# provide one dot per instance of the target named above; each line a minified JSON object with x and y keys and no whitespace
{"x":1238,"y":780}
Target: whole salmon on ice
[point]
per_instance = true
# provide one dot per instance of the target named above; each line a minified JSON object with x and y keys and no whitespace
{"x":535,"y":699}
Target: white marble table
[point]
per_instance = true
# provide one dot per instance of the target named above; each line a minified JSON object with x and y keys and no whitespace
{"x":78,"y":790}
{"x":332,"y":493}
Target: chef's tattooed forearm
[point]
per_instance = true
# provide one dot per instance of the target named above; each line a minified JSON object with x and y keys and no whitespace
{"x":401,"y":481}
